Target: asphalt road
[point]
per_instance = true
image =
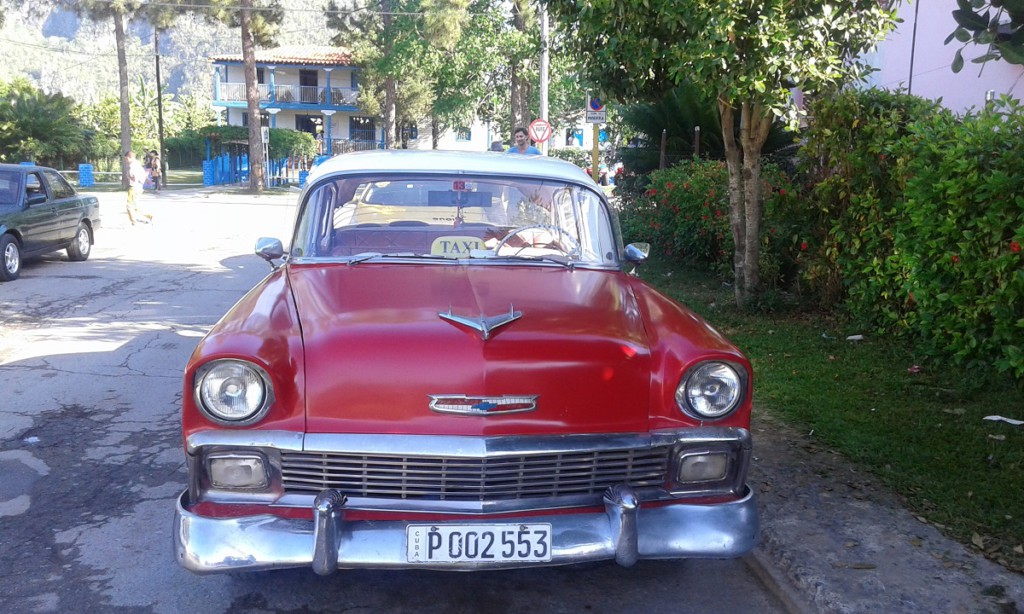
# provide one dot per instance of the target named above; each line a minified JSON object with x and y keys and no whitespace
{"x":91,"y":356}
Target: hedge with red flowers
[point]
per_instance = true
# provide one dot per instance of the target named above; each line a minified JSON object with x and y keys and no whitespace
{"x":684,"y":214}
{"x":908,"y":217}
{"x":918,"y":216}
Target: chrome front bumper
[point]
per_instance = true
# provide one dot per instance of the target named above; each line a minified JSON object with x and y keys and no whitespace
{"x":625,"y":532}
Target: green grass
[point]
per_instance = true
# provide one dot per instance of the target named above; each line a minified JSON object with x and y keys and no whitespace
{"x":922,"y":433}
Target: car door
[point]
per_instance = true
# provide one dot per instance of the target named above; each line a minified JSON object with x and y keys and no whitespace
{"x":65,"y":201}
{"x":39,"y":220}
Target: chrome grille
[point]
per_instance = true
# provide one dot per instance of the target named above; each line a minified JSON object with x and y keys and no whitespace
{"x":474,"y":479}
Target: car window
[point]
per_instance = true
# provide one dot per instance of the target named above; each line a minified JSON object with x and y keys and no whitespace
{"x":455,"y":217}
{"x":33,"y":185}
{"x":57,"y":185}
{"x":10,"y":187}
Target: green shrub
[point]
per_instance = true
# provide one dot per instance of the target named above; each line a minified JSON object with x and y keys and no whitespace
{"x":684,"y":214}
{"x":579,"y":157}
{"x":916,"y":221}
{"x":856,"y":201}
{"x":961,"y":244}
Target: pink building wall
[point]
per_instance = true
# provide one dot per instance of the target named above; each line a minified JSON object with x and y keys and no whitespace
{"x":932,"y":76}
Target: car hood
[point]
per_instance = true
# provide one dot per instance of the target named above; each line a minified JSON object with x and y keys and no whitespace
{"x":377,"y":349}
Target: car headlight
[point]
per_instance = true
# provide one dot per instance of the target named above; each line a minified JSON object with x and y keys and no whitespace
{"x":233,"y":391}
{"x":710,"y":390}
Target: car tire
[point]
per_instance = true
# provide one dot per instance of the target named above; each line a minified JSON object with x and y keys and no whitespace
{"x":81,"y":245}
{"x":10,"y":258}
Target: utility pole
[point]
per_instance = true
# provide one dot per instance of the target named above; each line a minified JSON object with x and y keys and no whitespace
{"x":544,"y":72}
{"x":159,"y":110}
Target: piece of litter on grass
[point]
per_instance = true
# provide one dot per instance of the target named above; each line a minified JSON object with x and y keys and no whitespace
{"x":827,"y":336}
{"x":1004,"y":419}
{"x":855,"y":338}
{"x":914,"y":369}
{"x":998,"y":437}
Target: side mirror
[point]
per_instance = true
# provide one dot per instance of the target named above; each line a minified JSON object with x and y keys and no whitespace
{"x":35,"y":199}
{"x":270,"y":250}
{"x":637,"y":253}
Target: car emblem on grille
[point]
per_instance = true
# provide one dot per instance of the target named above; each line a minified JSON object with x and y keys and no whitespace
{"x":482,"y":406}
{"x":484,"y":325}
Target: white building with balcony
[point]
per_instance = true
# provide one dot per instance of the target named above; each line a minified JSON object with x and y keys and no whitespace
{"x":310,"y":89}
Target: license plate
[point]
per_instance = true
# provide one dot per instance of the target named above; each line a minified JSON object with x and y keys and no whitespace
{"x":478,"y":543}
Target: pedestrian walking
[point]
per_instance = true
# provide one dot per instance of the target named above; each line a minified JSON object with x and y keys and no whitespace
{"x":155,"y":168}
{"x":136,"y":180}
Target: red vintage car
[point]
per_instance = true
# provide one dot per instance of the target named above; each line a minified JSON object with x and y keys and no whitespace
{"x":454,"y":368}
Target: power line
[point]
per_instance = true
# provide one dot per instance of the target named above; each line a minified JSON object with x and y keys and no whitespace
{"x":235,"y":7}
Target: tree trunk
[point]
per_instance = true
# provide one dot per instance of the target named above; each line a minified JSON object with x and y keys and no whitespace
{"x":754,"y":128}
{"x":252,"y":99}
{"x":745,"y":198}
{"x":390,"y":90}
{"x":435,"y":132}
{"x":122,"y":78}
{"x":519,"y":99}
{"x":737,"y":217}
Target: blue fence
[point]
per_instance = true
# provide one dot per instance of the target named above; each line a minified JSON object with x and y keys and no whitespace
{"x":228,"y":169}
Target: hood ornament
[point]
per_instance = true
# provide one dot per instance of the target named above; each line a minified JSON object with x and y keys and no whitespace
{"x":482,"y":405}
{"x":485,"y":326}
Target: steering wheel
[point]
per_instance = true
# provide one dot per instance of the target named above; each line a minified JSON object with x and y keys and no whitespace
{"x":557,"y":233}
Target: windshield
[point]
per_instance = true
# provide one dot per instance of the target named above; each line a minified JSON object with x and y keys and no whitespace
{"x":455,"y":217}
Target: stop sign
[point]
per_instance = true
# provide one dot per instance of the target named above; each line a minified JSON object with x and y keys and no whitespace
{"x":540,"y":130}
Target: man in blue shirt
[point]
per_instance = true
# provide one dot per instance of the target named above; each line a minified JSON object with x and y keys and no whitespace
{"x":522,"y":143}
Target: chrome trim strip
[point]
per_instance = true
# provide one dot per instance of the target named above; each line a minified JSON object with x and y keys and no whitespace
{"x":427,"y":261}
{"x":478,"y":447}
{"x":281,"y":440}
{"x":264,"y":541}
{"x":378,"y":504}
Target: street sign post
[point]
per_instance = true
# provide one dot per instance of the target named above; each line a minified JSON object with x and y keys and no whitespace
{"x":540,"y":130}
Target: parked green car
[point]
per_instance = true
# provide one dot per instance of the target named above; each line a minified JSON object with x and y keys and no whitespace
{"x":40,"y":213}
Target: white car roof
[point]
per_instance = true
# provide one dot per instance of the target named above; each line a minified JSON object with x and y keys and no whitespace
{"x":462,"y":162}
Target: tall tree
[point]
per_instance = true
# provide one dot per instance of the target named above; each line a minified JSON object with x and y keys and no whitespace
{"x":748,"y":53}
{"x":258,"y":22}
{"x":523,"y":50}
{"x":117,"y":11}
{"x":377,"y":37}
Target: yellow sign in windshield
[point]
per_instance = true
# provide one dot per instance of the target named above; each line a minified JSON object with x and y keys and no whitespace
{"x":455,"y":246}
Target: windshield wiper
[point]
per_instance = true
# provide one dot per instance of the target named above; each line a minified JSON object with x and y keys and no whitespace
{"x":363,"y":257}
{"x":562,"y":260}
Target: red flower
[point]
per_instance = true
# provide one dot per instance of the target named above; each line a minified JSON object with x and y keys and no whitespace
{"x":803,"y":246}
{"x":956,"y":259}
{"x":1014,"y":247}
{"x":650,"y":192}
{"x":668,"y":184}
{"x":686,"y":185}
{"x":881,"y":157}
{"x":782,"y":191}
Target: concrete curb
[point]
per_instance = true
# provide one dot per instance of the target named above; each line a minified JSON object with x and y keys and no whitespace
{"x":794,"y":601}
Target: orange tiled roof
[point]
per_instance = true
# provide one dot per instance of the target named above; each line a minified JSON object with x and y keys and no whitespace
{"x":318,"y":56}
